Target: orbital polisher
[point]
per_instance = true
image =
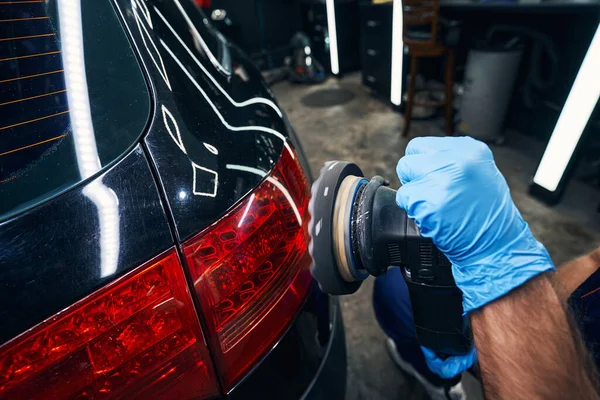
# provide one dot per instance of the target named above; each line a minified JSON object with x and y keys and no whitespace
{"x":357,"y":230}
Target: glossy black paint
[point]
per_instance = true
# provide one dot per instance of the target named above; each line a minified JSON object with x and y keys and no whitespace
{"x":301,"y":365}
{"x":52,"y":255}
{"x":222,"y":126}
{"x":329,"y":381}
{"x":202,"y":118}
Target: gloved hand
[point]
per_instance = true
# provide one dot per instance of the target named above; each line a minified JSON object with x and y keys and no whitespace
{"x":453,"y":190}
{"x":451,"y":366}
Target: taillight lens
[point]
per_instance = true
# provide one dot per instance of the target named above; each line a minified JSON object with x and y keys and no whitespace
{"x":138,"y":337}
{"x":251,"y":268}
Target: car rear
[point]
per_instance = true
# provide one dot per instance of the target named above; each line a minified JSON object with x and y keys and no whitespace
{"x":158,"y":249}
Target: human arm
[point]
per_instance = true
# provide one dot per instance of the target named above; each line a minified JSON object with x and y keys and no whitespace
{"x":454,"y":191}
{"x":568,"y":277}
{"x":528,"y":349}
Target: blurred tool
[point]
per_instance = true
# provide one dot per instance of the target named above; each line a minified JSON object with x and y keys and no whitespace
{"x":302,"y":66}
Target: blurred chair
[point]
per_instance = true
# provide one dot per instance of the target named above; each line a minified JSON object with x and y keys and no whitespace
{"x":422,"y":38}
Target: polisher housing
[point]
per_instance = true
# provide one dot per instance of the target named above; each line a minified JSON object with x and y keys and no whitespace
{"x":358,"y":230}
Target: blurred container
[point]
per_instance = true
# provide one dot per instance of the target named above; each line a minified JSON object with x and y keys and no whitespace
{"x":489,"y":81}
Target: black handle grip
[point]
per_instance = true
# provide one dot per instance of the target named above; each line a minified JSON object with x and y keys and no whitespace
{"x":435,"y":299}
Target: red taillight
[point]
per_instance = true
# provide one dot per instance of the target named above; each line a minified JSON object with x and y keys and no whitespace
{"x":203,"y":3}
{"x":138,"y":337}
{"x":250,"y":269}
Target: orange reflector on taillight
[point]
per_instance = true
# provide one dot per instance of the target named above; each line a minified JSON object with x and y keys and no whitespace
{"x":138,"y":337}
{"x":251,"y":268}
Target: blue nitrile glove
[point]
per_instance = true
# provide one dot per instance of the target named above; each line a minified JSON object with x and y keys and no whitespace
{"x":451,"y":366}
{"x":455,"y":193}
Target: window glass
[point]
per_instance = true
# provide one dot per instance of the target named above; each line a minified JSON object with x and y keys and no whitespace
{"x":72,"y":97}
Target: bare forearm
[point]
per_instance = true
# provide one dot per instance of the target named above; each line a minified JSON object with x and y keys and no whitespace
{"x":527,"y":348}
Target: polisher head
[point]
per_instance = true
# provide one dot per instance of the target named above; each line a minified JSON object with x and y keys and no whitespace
{"x":322,"y":227}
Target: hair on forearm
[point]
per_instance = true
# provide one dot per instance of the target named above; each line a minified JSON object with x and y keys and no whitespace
{"x":529,"y":349}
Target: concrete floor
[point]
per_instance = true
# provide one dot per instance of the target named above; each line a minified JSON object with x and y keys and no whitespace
{"x":367,"y":132}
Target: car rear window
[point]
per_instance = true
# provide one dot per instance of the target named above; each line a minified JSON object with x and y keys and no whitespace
{"x":72,"y":97}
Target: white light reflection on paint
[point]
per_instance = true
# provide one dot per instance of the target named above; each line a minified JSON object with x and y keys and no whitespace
{"x":86,"y":151}
{"x":203,"y":44}
{"x":107,"y":202}
{"x":182,"y":195}
{"x":256,"y":100}
{"x":144,"y":10}
{"x":287,"y":195}
{"x":216,"y":111}
{"x":245,"y":168}
{"x":213,"y":192}
{"x":177,"y":135}
{"x":246,"y":210}
{"x":145,"y":34}
{"x":211,"y":148}
{"x":572,"y":120}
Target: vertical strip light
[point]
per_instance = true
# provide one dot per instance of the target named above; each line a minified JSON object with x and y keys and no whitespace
{"x":572,"y":120}
{"x":397,"y":53}
{"x":333,"y":48}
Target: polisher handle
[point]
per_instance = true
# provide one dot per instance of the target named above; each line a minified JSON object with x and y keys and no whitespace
{"x":435,"y":299}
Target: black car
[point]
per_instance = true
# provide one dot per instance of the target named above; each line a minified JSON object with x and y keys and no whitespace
{"x":153,"y":214}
